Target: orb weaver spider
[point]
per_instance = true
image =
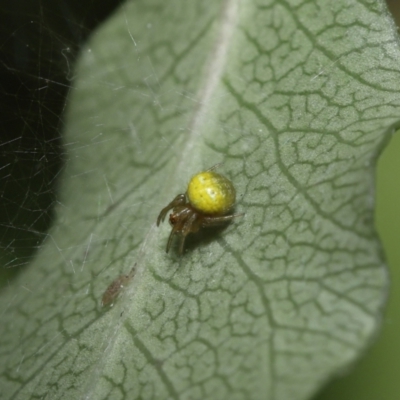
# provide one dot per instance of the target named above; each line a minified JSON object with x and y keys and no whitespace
{"x":208,"y":198}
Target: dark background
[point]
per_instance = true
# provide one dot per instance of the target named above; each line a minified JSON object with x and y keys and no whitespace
{"x":39,"y":41}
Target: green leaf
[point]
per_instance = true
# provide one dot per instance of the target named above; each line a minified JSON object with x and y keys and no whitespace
{"x":377,"y":375}
{"x":296,"y":99}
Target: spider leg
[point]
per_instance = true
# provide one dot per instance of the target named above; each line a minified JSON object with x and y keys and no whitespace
{"x":177,"y":201}
{"x":214,"y":167}
{"x":211,"y":221}
{"x":182,"y":243}
{"x":188,"y":226}
{"x":171,"y":236}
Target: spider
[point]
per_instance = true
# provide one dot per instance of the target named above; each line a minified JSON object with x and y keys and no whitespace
{"x":208,"y":198}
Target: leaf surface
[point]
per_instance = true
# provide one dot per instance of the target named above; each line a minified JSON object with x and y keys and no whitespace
{"x":296,"y":98}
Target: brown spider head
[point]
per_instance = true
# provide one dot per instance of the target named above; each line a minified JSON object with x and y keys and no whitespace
{"x":173,"y":219}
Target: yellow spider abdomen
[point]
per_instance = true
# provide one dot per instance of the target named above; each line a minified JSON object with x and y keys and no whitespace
{"x":211,"y":193}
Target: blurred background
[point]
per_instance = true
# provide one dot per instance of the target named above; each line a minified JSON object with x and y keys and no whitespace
{"x":377,"y":375}
{"x":39,"y":41}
